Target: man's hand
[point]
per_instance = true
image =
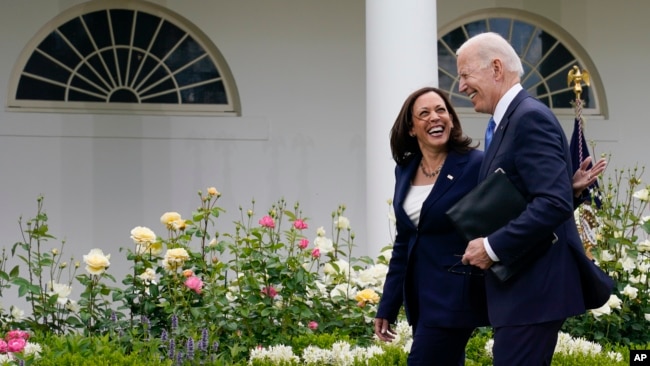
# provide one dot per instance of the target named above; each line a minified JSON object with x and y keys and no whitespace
{"x":383,"y":330}
{"x":476,"y":255}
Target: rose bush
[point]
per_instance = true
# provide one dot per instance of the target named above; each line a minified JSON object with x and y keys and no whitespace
{"x":264,"y":283}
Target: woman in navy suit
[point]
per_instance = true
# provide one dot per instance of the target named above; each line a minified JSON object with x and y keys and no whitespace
{"x":444,"y":300}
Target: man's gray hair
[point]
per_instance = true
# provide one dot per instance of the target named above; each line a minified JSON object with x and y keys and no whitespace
{"x":490,"y":46}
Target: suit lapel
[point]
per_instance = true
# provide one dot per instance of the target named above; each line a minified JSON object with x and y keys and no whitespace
{"x":491,"y":153}
{"x":451,"y":171}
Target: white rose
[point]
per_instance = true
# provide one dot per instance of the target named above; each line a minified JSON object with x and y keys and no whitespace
{"x":320,"y":231}
{"x":614,"y":302}
{"x":628,"y":264}
{"x":365,"y":278}
{"x":323,"y":244}
{"x":642,"y":195}
{"x":647,"y":317}
{"x":630,"y":292}
{"x":372,"y":275}
{"x":606,"y":256}
{"x":61,"y":290}
{"x":603,"y":310}
{"x":16,"y":313}
{"x":634,"y":279}
{"x":342,"y":289}
{"x":344,"y":267}
{"x":644,"y":246}
{"x":342,"y":223}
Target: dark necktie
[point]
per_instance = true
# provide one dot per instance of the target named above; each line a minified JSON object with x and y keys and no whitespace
{"x":489,"y":132}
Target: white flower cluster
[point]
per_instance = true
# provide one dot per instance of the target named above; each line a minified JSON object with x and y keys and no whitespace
{"x":277,"y":354}
{"x":341,"y":354}
{"x":570,"y":346}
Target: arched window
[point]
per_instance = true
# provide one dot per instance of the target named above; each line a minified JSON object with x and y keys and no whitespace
{"x":121,"y":56}
{"x":547,"y":53}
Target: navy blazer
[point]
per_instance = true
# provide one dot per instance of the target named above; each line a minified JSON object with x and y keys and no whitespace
{"x":418,"y":274}
{"x":531,"y":147}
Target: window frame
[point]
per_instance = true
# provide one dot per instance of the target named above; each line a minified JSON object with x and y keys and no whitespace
{"x":232,"y":107}
{"x":551,"y":28}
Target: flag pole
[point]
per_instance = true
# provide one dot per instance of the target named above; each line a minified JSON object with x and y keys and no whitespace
{"x":586,"y":218}
{"x":576,"y":77}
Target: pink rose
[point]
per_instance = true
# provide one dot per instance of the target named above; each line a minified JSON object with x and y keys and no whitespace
{"x":16,"y":345}
{"x":270,"y":292}
{"x":304,"y":243}
{"x":312,"y":325}
{"x":194,"y":283}
{"x":267,"y":221}
{"x":3,"y":347}
{"x":17,"y":334}
{"x":315,"y":253}
{"x":300,"y":224}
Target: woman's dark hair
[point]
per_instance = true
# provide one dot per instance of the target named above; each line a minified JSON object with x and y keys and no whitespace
{"x":404,"y":146}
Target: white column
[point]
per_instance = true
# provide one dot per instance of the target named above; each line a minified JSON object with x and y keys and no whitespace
{"x":401,"y":56}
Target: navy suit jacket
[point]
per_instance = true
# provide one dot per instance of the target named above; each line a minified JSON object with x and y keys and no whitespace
{"x":531,"y":147}
{"x":418,"y":274}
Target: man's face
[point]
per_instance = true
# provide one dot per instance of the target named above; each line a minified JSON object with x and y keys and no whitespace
{"x":477,"y":82}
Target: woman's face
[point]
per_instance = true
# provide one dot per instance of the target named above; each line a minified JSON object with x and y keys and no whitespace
{"x":431,"y":122}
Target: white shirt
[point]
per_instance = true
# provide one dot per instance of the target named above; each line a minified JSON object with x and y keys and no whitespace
{"x":414,"y":200}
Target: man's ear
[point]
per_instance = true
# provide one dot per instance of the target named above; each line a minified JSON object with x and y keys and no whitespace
{"x":497,"y":68}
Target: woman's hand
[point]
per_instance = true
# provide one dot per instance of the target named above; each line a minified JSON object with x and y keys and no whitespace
{"x":584,"y":177}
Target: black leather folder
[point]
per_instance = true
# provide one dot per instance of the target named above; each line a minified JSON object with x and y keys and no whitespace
{"x":488,"y":207}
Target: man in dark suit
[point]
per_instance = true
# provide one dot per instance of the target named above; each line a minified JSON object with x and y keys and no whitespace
{"x":528,"y":143}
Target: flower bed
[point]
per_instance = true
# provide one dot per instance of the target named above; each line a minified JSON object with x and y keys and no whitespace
{"x":272,"y":289}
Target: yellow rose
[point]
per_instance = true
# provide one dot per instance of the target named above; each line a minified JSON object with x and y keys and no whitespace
{"x":175,"y":258}
{"x":213,"y":191}
{"x":168,"y":219}
{"x":96,"y":261}
{"x":367,"y":296}
{"x":143,"y":235}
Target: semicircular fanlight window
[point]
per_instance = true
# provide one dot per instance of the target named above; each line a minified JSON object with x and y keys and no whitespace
{"x":125,"y":57}
{"x":546,"y":58}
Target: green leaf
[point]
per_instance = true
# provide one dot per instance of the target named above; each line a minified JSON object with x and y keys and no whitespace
{"x":14,"y":271}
